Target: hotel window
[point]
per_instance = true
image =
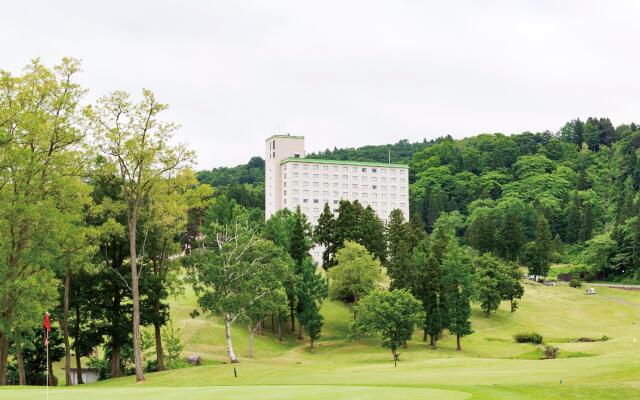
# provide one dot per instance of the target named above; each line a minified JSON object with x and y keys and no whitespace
{"x":315,"y":201}
{"x":305,"y":175}
{"x":285,"y":201}
{"x":365,"y":195}
{"x":374,"y":179}
{"x":374,"y":186}
{"x":335,"y":168}
{"x":305,"y":200}
{"x":383,"y":171}
{"x":316,"y":176}
{"x":403,"y":188}
{"x":295,"y":191}
{"x":315,"y":192}
{"x":315,"y":167}
{"x":345,"y":186}
{"x":325,"y":193}
{"x":401,"y":180}
{"x":316,"y":184}
{"x":285,"y":192}
{"x":305,"y":166}
{"x":284,"y":167}
{"x":335,"y":177}
{"x":305,"y":209}
{"x":345,"y":195}
{"x":325,"y":176}
{"x":375,"y":204}
{"x":305,"y":184}
{"x":403,"y":204}
{"x":392,"y":171}
{"x":393,"y":188}
{"x":383,"y":180}
{"x":345,"y":169}
{"x":325,"y":167}
{"x":374,"y":195}
{"x":315,"y":210}
{"x":335,"y":202}
{"x":295,"y":166}
{"x":384,"y":204}
{"x":364,"y":179}
{"x":354,"y":186}
{"x":336,"y":184}
{"x":374,"y":170}
{"x":295,"y":183}
{"x":393,"y":195}
{"x":393,"y":180}
{"x":355,"y":178}
{"x":296,"y":200}
{"x":325,"y":201}
{"x":285,"y":184}
{"x":305,"y":192}
{"x":345,"y":177}
{"x":365,"y":203}
{"x":384,"y":187}
{"x":365,"y":187}
{"x":335,"y":194}
{"x":335,"y":210}
{"x":364,"y":170}
{"x":393,"y":204}
{"x":325,"y":184}
{"x":384,"y":196}
{"x":355,"y":195}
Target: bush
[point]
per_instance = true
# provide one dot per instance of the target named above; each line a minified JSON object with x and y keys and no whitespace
{"x":575,"y":283}
{"x":103,"y":367}
{"x":528,"y":337}
{"x":551,"y":352}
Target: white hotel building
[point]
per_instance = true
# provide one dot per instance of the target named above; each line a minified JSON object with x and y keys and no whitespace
{"x":292,"y":180}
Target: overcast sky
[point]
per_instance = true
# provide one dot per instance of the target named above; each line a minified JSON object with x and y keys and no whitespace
{"x":343,"y":73}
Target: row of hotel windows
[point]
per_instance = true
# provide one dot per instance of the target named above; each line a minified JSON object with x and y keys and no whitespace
{"x":295,"y":201}
{"x":316,"y":167}
{"x":345,"y":186}
{"x":346,"y":194}
{"x":316,"y":210}
{"x":346,"y":177}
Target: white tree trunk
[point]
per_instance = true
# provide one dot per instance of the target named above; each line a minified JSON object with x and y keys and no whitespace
{"x":251,"y":330}
{"x":227,"y":334}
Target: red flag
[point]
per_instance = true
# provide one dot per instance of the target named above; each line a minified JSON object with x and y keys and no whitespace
{"x":47,"y":327}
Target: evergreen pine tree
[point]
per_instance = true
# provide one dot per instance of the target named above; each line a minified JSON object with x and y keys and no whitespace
{"x":312,"y":290}
{"x":458,"y":290}
{"x":324,"y":235}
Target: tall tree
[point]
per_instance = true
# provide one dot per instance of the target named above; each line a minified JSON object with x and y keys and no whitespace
{"x":138,"y":144}
{"x":324,"y":235}
{"x":458,"y":290}
{"x":312,"y":291}
{"x":393,"y":314}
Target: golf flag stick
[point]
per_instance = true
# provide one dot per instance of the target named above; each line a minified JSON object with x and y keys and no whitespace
{"x":47,"y":328}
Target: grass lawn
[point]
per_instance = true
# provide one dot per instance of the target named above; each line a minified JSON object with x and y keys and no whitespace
{"x":491,"y":365}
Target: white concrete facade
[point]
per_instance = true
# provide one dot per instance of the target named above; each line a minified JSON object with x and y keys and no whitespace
{"x":292,"y":180}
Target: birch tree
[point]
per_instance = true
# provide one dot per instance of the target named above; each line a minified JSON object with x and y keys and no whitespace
{"x":240,"y":278}
{"x":132,"y":137}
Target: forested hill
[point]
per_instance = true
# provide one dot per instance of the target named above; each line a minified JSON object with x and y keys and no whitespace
{"x":583,"y":179}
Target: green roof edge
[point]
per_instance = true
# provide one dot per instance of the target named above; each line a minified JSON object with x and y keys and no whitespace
{"x":283,"y":136}
{"x":343,"y":162}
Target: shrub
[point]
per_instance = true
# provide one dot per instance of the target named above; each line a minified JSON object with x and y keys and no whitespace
{"x":528,"y":337}
{"x":551,"y":352}
{"x":575,"y":283}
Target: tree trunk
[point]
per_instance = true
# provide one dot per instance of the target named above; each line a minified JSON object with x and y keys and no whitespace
{"x":65,"y":329}
{"x":300,"y":331}
{"x":20,"y":359}
{"x":424,"y":335}
{"x":311,"y":341}
{"x":227,"y":335}
{"x":79,"y":379}
{"x":251,"y":331}
{"x":4,"y":356}
{"x":434,"y":342}
{"x":293,"y":318}
{"x":458,"y":348}
{"x":273,"y":326}
{"x":115,"y":361}
{"x":135,"y":298}
{"x":280,"y":330}
{"x":159,"y":350}
{"x":261,"y":328}
{"x":53,"y":380}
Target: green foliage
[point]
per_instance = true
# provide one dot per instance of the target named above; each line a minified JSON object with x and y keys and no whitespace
{"x":355,"y":275}
{"x":458,"y":289}
{"x":173,"y":346}
{"x":575,"y":283}
{"x":528,"y":337}
{"x":393,"y":314}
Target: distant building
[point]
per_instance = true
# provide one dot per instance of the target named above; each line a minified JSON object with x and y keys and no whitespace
{"x":292,"y":180}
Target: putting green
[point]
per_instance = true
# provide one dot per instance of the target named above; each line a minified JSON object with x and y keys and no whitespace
{"x":311,"y":392}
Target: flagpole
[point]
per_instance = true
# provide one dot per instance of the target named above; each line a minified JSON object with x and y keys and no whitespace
{"x":47,"y":388}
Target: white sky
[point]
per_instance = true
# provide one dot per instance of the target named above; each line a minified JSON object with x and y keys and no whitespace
{"x":343,"y":73}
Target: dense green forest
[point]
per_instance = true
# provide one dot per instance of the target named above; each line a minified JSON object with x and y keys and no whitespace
{"x":581,"y":180}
